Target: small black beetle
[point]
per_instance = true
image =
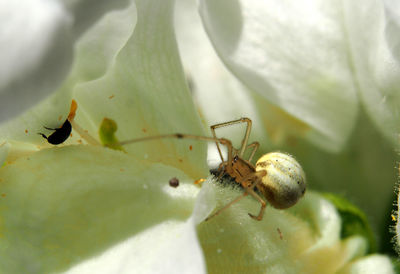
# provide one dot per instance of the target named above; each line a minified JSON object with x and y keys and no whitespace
{"x":59,"y":135}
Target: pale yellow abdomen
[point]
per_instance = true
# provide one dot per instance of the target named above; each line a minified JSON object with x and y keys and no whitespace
{"x":285,"y":181}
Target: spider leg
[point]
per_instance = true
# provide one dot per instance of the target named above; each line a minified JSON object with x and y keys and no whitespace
{"x":262,"y":202}
{"x":222,"y":141}
{"x":226,"y":206}
{"x":245,"y":138}
{"x":255,"y":146}
{"x":257,"y":177}
{"x":248,"y":190}
{"x":221,"y":170}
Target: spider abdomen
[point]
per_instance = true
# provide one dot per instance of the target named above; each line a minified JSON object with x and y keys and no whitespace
{"x":284,"y":184}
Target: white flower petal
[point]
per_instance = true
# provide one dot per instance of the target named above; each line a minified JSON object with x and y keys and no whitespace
{"x":95,"y":51}
{"x":87,"y":12}
{"x":36,"y":52}
{"x":392,"y":28}
{"x":373,"y":54}
{"x":169,"y":247}
{"x":303,"y":239}
{"x":98,"y":46}
{"x":370,"y":265}
{"x":295,"y":54}
{"x":37,"y":47}
{"x":60,"y":206}
{"x":145,"y":92}
{"x":219,"y":94}
{"x":4,"y":149}
{"x":327,"y":221}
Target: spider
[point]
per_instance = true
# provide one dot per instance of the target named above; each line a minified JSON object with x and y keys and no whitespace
{"x":277,"y":176}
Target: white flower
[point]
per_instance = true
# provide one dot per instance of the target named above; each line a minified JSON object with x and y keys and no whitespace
{"x":87,"y":208}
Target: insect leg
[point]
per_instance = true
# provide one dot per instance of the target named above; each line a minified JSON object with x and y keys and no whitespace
{"x":49,"y":128}
{"x":44,"y":136}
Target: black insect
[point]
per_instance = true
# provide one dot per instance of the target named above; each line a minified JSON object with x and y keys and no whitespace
{"x":59,"y":135}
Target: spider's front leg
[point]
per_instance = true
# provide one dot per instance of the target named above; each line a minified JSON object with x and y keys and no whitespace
{"x":221,"y":170}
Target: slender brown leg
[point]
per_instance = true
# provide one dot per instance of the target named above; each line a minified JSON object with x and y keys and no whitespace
{"x":226,"y":206}
{"x":257,"y":177}
{"x":222,"y":141}
{"x":263,"y":204}
{"x":248,"y":190}
{"x":245,"y":138}
{"x":215,"y":136}
{"x":177,"y":136}
{"x":221,"y":170}
{"x":255,"y":146}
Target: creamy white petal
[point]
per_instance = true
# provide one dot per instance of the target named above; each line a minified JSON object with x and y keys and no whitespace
{"x":145,"y":92}
{"x":218,"y":94}
{"x":369,"y":265}
{"x":37,"y":47}
{"x":94,"y":52}
{"x":372,"y":38}
{"x":294,"y":54}
{"x":169,"y":247}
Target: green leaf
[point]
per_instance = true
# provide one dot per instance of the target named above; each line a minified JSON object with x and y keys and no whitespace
{"x":396,"y":264}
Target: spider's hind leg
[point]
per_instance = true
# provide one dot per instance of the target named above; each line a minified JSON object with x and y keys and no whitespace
{"x":257,"y":177}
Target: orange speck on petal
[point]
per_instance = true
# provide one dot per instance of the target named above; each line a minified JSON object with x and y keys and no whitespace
{"x":199,"y":181}
{"x":59,"y":118}
{"x":3,"y":195}
{"x":80,"y":141}
{"x":121,"y":169}
{"x":144,"y":130}
{"x":190,"y":147}
{"x":112,"y":96}
{"x":72,"y":110}
{"x":70,"y":135}
{"x":26,"y":131}
{"x":180,"y":160}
